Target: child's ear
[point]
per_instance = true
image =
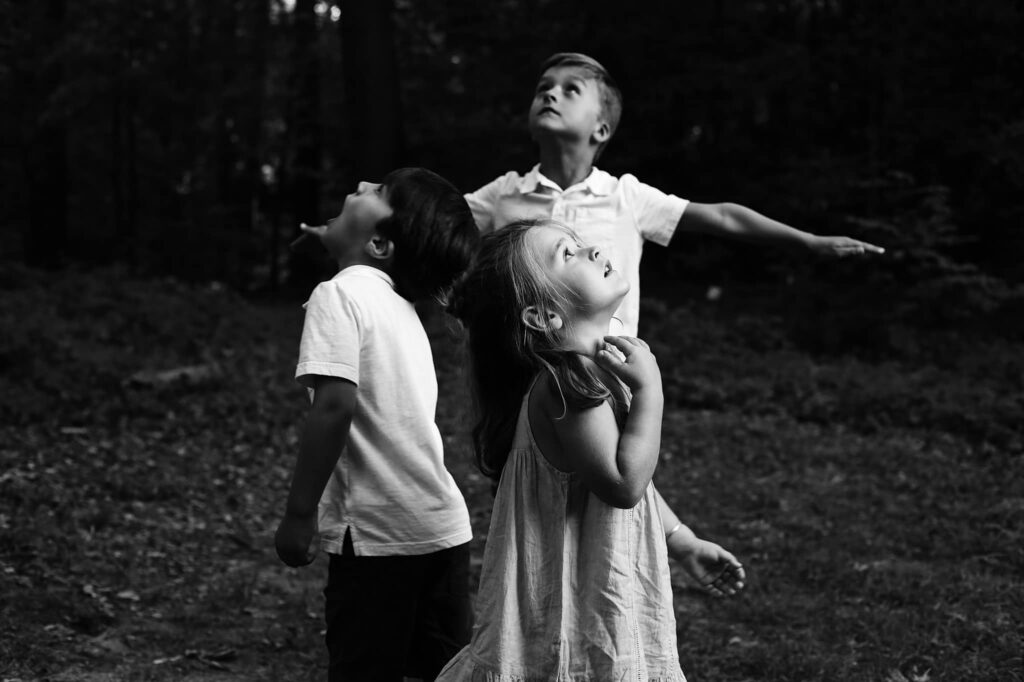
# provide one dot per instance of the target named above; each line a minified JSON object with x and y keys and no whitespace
{"x":541,"y":320}
{"x":379,"y":247}
{"x":602,"y":133}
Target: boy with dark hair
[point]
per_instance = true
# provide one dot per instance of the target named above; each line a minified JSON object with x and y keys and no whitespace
{"x":370,"y":476}
{"x":575,"y":111}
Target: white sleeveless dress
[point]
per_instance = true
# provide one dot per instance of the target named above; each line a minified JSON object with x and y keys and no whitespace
{"x":571,"y":588}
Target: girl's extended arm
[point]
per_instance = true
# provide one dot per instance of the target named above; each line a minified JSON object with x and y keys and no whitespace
{"x":323,"y":439}
{"x":739,"y":222}
{"x":708,"y":565}
{"x":617,"y":467}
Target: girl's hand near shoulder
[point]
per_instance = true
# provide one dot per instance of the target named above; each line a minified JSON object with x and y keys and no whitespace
{"x":615,"y":465}
{"x":637,"y":368}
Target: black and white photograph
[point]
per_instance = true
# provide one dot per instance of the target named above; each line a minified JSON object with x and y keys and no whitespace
{"x":512,"y":341}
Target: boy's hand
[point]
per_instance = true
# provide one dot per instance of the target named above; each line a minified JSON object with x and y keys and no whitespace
{"x":296,"y":540}
{"x":842,"y":246}
{"x":637,"y":367}
{"x":315,"y":230}
{"x":715,"y":570}
{"x":309,"y":233}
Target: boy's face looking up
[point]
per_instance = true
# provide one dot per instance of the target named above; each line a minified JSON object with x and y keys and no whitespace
{"x":348,"y":234}
{"x":567,"y":105}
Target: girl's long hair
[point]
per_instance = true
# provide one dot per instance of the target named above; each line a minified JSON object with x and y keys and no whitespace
{"x":506,"y":354}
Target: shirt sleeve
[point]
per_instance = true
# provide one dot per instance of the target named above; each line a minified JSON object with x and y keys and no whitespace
{"x":484,"y":203}
{"x":330,"y":336}
{"x":657,"y":214}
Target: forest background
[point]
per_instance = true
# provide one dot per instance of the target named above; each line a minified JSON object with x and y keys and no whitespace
{"x":851,"y":429}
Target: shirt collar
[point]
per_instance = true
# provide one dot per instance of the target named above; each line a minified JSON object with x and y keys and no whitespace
{"x":367,"y":271}
{"x":597,"y":183}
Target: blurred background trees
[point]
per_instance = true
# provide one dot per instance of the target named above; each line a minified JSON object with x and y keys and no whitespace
{"x":190,"y":138}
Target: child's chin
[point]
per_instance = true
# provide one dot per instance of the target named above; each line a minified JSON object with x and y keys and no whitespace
{"x":542,"y":127}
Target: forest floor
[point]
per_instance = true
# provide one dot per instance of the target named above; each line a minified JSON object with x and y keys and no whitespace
{"x":878,"y":505}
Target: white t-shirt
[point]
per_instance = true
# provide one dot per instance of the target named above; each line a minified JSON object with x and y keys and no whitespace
{"x":390,"y":488}
{"x":615,"y":214}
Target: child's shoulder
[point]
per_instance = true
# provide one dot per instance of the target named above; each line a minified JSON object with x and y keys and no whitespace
{"x":362,"y":289}
{"x":551,"y":396}
{"x":330,"y":292}
{"x":626,"y":180}
{"x":360,"y":280}
{"x":506,"y":182}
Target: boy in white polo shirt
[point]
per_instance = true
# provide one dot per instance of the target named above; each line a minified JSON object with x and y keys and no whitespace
{"x":370,"y":476}
{"x":575,"y":110}
{"x":574,"y":113}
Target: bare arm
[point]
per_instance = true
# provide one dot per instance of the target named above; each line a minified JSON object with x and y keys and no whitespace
{"x":709,"y":566}
{"x":669,"y":519}
{"x":739,"y":222}
{"x":323,"y":439}
{"x":617,"y":467}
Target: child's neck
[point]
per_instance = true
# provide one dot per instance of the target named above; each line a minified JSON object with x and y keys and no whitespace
{"x":586,"y":336}
{"x":362,"y":259}
{"x":566,"y":165}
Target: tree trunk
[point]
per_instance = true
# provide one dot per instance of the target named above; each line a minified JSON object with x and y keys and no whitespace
{"x":371,"y":87}
{"x":46,"y":153}
{"x":116,"y":170}
{"x":303,"y":175}
{"x":258,"y":16}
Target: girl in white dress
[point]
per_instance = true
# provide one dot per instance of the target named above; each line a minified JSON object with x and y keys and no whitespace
{"x":575,"y":581}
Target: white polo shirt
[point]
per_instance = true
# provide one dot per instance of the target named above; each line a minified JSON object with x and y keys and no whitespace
{"x":615,"y":214}
{"x":390,"y":488}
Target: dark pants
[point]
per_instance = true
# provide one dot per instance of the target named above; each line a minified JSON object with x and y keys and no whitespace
{"x":395,"y":616}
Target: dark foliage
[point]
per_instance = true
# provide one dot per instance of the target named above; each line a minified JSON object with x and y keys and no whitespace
{"x":191,"y":139}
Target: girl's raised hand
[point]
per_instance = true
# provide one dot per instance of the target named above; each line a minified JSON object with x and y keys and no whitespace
{"x":636,"y":367}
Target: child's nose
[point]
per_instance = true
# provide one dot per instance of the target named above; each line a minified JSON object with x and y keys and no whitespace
{"x":594,"y":252}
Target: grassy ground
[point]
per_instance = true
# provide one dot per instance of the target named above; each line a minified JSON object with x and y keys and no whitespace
{"x":878,"y":507}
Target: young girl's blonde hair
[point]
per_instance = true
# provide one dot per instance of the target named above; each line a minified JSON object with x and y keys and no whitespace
{"x":505,"y":352}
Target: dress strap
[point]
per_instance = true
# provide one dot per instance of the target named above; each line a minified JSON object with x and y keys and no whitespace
{"x":523,"y":438}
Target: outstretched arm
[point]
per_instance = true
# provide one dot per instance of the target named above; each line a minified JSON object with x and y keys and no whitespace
{"x":712,"y":568}
{"x":739,"y":222}
{"x":323,"y":439}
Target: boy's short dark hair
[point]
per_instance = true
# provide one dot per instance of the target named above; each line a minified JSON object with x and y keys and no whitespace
{"x":432,"y":229}
{"x":611,"y":96}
